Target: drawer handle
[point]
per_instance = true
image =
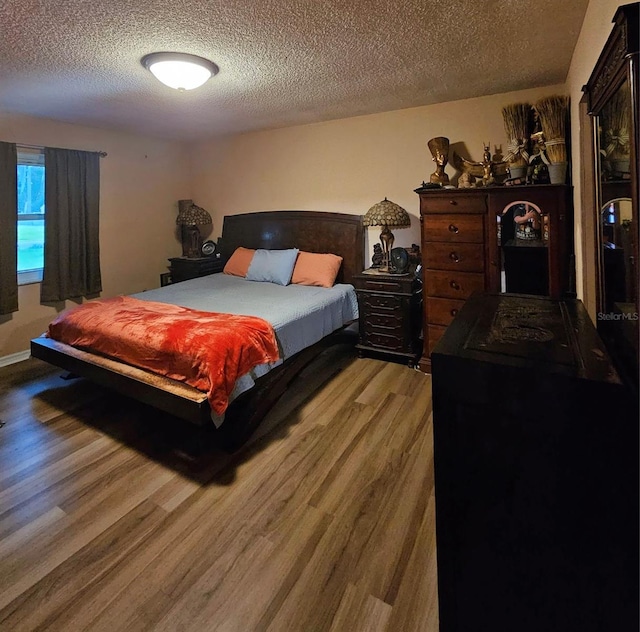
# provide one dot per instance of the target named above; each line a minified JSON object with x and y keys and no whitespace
{"x":454,"y":311}
{"x":453,"y":202}
{"x":453,"y":229}
{"x":454,"y":285}
{"x":454,"y":257}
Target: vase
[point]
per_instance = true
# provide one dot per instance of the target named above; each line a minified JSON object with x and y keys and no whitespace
{"x":517,"y":171}
{"x":619,"y":165}
{"x":557,"y":172}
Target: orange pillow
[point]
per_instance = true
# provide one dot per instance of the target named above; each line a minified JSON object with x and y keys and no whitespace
{"x":239,"y":262}
{"x":316,"y":269}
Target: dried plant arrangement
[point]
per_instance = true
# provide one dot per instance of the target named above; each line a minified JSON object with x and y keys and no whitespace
{"x":615,"y":125}
{"x":518,"y":124}
{"x":553,"y":112}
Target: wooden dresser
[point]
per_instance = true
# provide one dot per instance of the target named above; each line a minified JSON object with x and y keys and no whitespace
{"x":389,"y":306}
{"x":536,"y":472}
{"x":462,"y":246}
{"x":454,"y":225}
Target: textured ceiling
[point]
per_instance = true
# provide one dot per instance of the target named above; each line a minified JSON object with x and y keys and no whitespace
{"x":282,"y":62}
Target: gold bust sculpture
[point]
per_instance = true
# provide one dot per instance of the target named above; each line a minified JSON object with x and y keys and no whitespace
{"x":439,"y":148}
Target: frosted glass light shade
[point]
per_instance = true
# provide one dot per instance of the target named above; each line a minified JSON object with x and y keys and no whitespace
{"x":180,"y":71}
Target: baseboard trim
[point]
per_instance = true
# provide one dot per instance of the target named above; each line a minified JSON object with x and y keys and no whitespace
{"x":12,"y":358}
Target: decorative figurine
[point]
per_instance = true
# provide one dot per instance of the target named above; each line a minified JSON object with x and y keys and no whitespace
{"x":378,"y":256}
{"x":414,"y":254}
{"x":539,"y":173}
{"x":528,"y":224}
{"x":487,"y":170}
{"x":439,"y":148}
{"x":466,"y":181}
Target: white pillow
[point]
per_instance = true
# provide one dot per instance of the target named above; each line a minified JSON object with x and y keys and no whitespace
{"x":274,"y":266}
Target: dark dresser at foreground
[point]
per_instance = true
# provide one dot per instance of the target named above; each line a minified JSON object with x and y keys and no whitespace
{"x":536,"y":472}
{"x":389,"y":306}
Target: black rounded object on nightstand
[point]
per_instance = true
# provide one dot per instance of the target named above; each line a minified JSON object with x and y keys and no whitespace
{"x":399,"y":263}
{"x":208,"y":248}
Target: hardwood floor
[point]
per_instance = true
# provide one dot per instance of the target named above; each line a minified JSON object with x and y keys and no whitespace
{"x":116,"y":517}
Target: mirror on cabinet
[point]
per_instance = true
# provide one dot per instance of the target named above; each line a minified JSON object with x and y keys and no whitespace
{"x":530,"y":240}
{"x":616,"y":226}
{"x":612,"y":95}
{"x":523,"y":236}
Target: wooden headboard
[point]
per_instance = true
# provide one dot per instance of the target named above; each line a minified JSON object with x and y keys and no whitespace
{"x":312,"y":231}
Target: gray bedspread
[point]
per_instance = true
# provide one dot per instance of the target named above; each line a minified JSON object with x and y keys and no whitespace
{"x":300,"y":315}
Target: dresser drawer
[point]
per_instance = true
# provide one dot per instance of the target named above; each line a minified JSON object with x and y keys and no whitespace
{"x":403,"y":284}
{"x":454,"y":228}
{"x":379,"y":303}
{"x":453,"y":203}
{"x":459,"y":257}
{"x":382,"y":340}
{"x":453,"y":284}
{"x":387,"y":323}
{"x":441,"y":311}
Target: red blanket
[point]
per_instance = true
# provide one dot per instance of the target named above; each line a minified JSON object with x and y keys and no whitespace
{"x":206,"y":350}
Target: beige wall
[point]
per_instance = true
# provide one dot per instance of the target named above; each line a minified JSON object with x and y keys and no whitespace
{"x":345,"y":165}
{"x":595,"y":31}
{"x":141,"y":181}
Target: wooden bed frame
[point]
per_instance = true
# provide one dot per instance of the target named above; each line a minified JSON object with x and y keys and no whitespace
{"x":311,"y":231}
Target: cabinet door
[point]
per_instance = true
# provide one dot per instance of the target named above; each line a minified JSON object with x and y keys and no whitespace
{"x":549,"y":208}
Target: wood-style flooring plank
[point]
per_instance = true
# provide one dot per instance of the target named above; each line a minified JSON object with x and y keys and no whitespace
{"x":324,"y":521}
{"x":22,"y":569}
{"x":361,"y":611}
{"x":416,"y":605}
{"x":72,"y":579}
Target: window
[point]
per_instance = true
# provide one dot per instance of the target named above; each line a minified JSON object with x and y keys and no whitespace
{"x":30,"y":215}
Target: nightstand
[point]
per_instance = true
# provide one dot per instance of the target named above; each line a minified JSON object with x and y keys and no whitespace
{"x":184,"y":268}
{"x":390,"y":307}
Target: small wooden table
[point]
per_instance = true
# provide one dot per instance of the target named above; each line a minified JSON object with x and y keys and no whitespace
{"x":184,"y":268}
{"x":390,"y":314}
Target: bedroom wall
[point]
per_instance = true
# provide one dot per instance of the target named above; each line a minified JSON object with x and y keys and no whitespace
{"x":345,"y":165}
{"x":141,"y":181}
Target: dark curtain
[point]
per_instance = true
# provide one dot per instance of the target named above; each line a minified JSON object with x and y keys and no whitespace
{"x":71,"y":245}
{"x":8,"y":228}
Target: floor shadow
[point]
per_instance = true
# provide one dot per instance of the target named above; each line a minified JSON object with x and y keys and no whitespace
{"x":192,"y":451}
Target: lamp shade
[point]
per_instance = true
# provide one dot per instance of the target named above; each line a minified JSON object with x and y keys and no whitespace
{"x":191,"y":215}
{"x":387,"y":213}
{"x":180,"y":71}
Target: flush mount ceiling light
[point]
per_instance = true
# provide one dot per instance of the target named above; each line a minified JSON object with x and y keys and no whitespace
{"x":181,"y":71}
